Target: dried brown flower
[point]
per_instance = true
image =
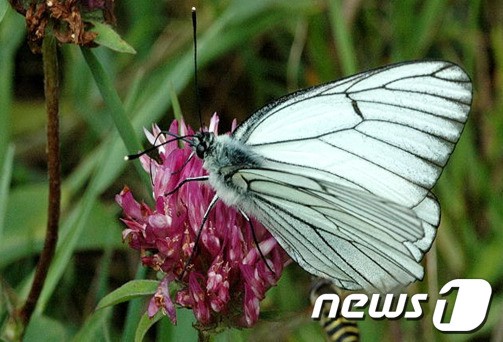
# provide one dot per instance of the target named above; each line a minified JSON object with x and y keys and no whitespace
{"x":65,"y":19}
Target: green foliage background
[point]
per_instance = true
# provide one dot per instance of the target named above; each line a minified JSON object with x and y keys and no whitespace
{"x":250,"y":52}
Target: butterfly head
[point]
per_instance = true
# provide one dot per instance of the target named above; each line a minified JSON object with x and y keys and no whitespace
{"x":202,"y":143}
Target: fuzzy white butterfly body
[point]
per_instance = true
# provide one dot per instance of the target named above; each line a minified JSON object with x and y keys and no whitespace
{"x":341,"y":173}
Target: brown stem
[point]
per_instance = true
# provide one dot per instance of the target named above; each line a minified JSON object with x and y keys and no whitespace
{"x":203,"y":336}
{"x":51,"y":88}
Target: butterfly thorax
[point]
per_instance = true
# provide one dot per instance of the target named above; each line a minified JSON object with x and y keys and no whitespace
{"x":223,"y":157}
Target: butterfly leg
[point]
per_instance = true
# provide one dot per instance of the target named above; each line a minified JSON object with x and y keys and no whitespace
{"x":198,"y":236}
{"x":256,"y":240}
{"x":180,"y":169}
{"x":186,"y":180}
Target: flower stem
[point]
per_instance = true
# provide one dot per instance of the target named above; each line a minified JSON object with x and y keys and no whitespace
{"x":203,"y":336}
{"x":51,"y":88}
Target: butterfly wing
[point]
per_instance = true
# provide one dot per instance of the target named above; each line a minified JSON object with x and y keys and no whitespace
{"x":389,"y":131}
{"x":353,"y":237}
{"x":382,"y":136}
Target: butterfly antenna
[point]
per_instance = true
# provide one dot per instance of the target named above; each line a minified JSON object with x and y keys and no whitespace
{"x":196,"y":84}
{"x":155,"y":147}
{"x":183,"y":138}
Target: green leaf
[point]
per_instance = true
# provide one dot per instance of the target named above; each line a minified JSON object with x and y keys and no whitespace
{"x":3,"y":8}
{"x":115,"y":108}
{"x":342,"y":38}
{"x":44,"y":328}
{"x":95,"y":327}
{"x":25,"y":226}
{"x":177,"y":110}
{"x":145,"y":324}
{"x":130,"y":290}
{"x":5,"y":183}
{"x":135,"y":309}
{"x":109,"y":38}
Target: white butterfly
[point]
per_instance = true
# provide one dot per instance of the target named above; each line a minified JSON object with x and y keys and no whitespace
{"x":341,"y":173}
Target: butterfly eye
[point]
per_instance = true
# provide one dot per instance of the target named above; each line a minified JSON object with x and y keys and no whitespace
{"x":200,"y":149}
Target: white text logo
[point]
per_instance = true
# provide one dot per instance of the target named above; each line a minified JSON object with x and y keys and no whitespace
{"x":469,"y":309}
